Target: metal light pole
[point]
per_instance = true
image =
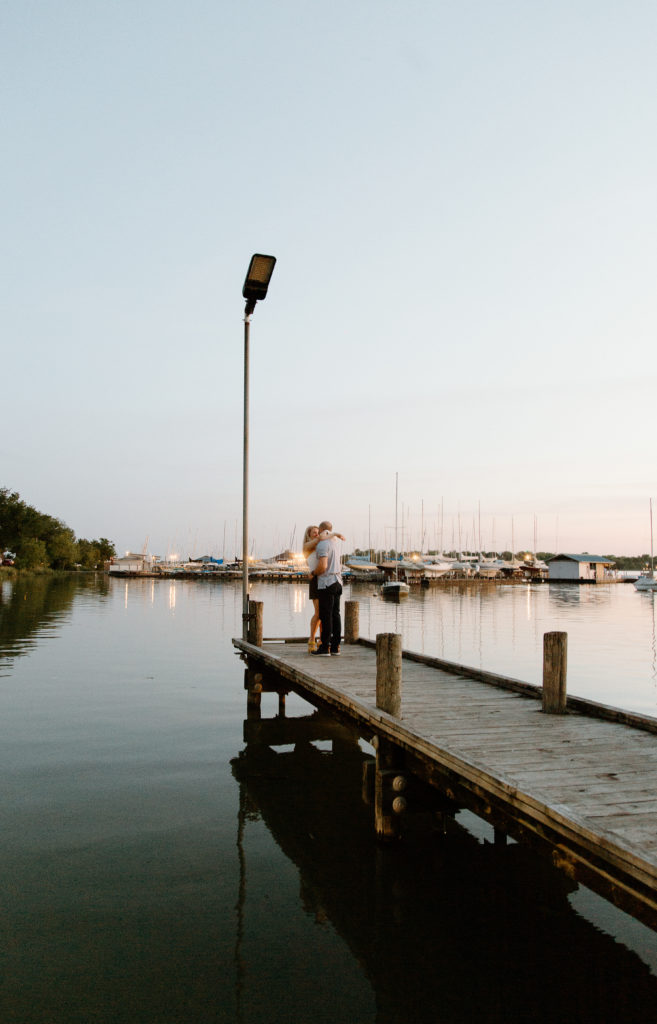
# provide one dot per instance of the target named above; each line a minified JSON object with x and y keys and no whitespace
{"x":245,"y":483}
{"x":255,"y":288}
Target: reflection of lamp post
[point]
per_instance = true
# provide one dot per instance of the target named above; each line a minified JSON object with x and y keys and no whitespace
{"x":255,"y":287}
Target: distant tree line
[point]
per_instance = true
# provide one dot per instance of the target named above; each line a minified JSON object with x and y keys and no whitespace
{"x":37,"y":539}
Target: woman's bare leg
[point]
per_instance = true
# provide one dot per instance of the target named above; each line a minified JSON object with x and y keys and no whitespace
{"x":314,"y":622}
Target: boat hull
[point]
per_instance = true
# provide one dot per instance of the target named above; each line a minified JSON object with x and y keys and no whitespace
{"x":645,"y":583}
{"x":394,"y":590}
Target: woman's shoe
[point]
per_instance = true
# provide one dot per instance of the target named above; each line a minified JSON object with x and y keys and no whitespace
{"x":311,"y":646}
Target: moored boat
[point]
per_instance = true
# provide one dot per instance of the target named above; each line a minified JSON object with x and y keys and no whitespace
{"x":394,"y":589}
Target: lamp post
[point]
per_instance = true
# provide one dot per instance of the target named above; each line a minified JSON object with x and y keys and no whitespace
{"x":255,"y":287}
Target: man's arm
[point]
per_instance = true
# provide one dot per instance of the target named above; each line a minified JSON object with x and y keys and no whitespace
{"x":322,"y":565}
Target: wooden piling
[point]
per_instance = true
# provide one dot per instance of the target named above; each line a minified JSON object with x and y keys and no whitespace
{"x":369,"y":775}
{"x":388,"y":804}
{"x":253,"y":680}
{"x":389,"y":673}
{"x":351,"y":625}
{"x":555,"y":650}
{"x":254,"y":630}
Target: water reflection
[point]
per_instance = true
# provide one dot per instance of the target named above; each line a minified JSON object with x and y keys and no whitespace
{"x":30,"y":605}
{"x":445,"y":927}
{"x":501,"y":628}
{"x":299,"y":599}
{"x":118,"y":850}
{"x":564,"y":594}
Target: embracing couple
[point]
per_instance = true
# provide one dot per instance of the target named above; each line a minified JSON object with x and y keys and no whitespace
{"x":322,"y":550}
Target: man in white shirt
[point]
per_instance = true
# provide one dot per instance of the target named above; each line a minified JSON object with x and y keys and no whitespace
{"x":329,"y":586}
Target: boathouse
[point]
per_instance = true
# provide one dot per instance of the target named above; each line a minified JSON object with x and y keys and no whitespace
{"x":128,"y":565}
{"x":580,"y":568}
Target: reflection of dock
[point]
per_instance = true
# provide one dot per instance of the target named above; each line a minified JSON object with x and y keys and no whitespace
{"x":579,"y":786}
{"x":444,"y":926}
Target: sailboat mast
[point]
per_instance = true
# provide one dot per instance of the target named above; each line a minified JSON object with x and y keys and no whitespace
{"x":402,"y":531}
{"x":396,"y":547}
{"x":535,"y":541}
{"x":479,"y":524}
{"x":422,"y":530}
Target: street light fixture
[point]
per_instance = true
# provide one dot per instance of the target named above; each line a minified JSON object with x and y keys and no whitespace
{"x":257,"y":280}
{"x":255,"y":288}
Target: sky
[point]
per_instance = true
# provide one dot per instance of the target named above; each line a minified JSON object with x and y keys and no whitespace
{"x":461,"y":199}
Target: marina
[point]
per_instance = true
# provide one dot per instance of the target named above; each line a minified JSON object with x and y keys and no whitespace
{"x":406,"y":570}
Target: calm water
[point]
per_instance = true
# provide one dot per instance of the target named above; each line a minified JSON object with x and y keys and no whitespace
{"x":156,"y":869}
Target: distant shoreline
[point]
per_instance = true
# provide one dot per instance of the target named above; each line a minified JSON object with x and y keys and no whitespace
{"x":8,"y":572}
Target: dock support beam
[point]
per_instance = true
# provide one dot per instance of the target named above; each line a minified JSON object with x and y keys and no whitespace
{"x":499,"y":837}
{"x":253,"y":686}
{"x":351,"y":624}
{"x":389,"y":784}
{"x":555,"y":651}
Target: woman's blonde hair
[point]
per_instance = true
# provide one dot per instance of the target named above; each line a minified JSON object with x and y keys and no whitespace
{"x":306,"y":536}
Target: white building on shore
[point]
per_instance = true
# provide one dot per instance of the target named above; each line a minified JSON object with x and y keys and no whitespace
{"x":580,"y":568}
{"x":129,"y":564}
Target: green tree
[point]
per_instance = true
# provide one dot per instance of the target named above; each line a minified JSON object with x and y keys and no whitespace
{"x":89,"y":554}
{"x":62,"y":549}
{"x":92,"y":554}
{"x":31,"y":554}
{"x":20,"y":523}
{"x":12,"y":514}
{"x":106,"y":549}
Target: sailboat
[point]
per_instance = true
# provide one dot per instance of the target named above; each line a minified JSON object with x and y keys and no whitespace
{"x":648,"y":582}
{"x":395,"y":589}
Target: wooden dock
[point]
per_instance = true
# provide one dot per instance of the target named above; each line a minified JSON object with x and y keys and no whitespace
{"x":428,"y":910}
{"x":581,"y":786}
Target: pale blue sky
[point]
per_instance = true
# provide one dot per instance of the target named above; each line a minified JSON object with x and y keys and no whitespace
{"x":462,"y":201}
